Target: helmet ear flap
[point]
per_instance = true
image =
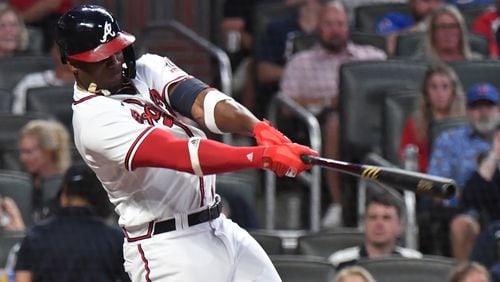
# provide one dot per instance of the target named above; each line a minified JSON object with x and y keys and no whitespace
{"x":129,"y":57}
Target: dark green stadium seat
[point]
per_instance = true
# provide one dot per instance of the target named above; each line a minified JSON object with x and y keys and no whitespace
{"x":12,"y":69}
{"x":366,"y":16}
{"x":326,"y":243}
{"x":5,"y":101}
{"x":18,"y":186}
{"x":10,"y":125}
{"x":303,"y":268}
{"x":428,"y":269}
{"x":408,"y":44}
{"x":272,"y":244}
{"x":52,"y":100}
{"x":8,"y":240}
{"x":398,"y":106}
{"x":471,"y":72}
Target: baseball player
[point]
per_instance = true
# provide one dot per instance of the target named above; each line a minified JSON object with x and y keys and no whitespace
{"x":157,"y":170}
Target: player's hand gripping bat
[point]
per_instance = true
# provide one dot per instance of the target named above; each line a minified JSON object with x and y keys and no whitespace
{"x":419,"y":183}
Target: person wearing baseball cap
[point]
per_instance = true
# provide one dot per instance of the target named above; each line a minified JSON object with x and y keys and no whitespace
{"x":455,"y":154}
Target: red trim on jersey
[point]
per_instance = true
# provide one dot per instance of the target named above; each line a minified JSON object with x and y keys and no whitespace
{"x":129,"y":153}
{"x":84,"y":99}
{"x":161,"y":148}
{"x":146,"y":263}
{"x":145,"y":236}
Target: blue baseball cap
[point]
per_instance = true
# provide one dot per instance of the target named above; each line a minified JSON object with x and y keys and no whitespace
{"x":482,"y":92}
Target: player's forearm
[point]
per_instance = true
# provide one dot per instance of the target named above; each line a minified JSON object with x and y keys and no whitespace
{"x":233,"y":117}
{"x":162,"y":149}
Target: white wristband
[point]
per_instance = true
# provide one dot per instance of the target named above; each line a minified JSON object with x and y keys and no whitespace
{"x":211,"y":99}
{"x":193,"y":145}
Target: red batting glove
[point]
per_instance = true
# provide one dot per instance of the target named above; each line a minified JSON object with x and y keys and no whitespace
{"x":266,"y":135}
{"x":285,"y":159}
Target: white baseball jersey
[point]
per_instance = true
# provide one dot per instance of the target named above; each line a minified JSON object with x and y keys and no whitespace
{"x":109,"y":129}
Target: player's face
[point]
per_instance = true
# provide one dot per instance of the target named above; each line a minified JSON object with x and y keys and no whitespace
{"x":9,"y":32}
{"x":32,"y":156}
{"x":382,"y":225}
{"x":334,"y":29}
{"x":440,"y":92}
{"x":447,"y":34}
{"x":107,"y":74}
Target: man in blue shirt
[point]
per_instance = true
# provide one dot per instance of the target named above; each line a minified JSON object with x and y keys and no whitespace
{"x":455,"y":154}
{"x":74,"y":244}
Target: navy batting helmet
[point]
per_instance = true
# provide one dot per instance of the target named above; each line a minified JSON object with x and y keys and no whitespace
{"x":89,"y":33}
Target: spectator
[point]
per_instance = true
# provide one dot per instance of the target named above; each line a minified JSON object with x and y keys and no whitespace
{"x":237,"y":30}
{"x":270,"y":55}
{"x":446,"y":39}
{"x":74,"y":244}
{"x":311,"y":79}
{"x":10,"y":216}
{"x":469,"y":272}
{"x":13,"y":34}
{"x":454,"y":156}
{"x":487,"y":25}
{"x":59,"y":76}
{"x":42,"y":14}
{"x":354,"y":274}
{"x":442,"y":97}
{"x":382,"y":225}
{"x":485,"y":249}
{"x":45,"y":154}
{"x":393,"y":23}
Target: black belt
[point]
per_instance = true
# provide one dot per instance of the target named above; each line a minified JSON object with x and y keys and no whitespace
{"x":205,"y":215}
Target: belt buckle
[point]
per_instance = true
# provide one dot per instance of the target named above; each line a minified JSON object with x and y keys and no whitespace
{"x":215,"y":205}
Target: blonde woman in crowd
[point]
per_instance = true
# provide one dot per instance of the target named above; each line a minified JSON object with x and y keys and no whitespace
{"x":446,"y":39}
{"x":44,"y":151}
{"x":354,"y":274}
{"x":13,"y":33}
{"x":469,"y":272}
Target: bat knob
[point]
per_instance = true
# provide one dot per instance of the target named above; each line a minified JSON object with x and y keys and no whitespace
{"x":307,"y":159}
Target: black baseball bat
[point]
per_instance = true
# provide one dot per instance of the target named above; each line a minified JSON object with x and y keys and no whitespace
{"x":419,"y":183}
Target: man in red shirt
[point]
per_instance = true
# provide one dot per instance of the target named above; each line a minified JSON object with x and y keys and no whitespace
{"x":487,"y":25}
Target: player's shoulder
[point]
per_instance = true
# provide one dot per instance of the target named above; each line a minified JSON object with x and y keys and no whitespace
{"x":150,"y":64}
{"x":408,"y":253}
{"x":344,"y":255}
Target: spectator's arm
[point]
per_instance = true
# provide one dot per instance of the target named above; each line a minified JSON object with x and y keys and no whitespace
{"x":23,"y":276}
{"x":16,"y":220}
{"x":40,"y":9}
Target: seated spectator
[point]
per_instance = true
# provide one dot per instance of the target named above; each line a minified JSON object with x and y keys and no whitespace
{"x":442,"y":97}
{"x":59,"y":76}
{"x":454,"y":155}
{"x":354,"y":274}
{"x":311,"y":79}
{"x":382,"y":225}
{"x":42,"y":14}
{"x":270,"y":55}
{"x":393,"y":23}
{"x":487,"y":24}
{"x":485,"y":249}
{"x":74,"y":244}
{"x":10,"y":216}
{"x":44,"y":151}
{"x":446,"y":39}
{"x":469,"y":272}
{"x":13,"y":33}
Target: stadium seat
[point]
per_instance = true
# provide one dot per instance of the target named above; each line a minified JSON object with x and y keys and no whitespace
{"x":366,"y":16}
{"x":363,"y":85}
{"x":408,"y":43}
{"x":8,"y":240}
{"x":12,"y":69}
{"x":5,"y":101}
{"x":326,"y":243}
{"x":303,"y":268}
{"x":428,"y":269}
{"x":10,"y":125}
{"x":18,"y":186}
{"x":52,"y":100}
{"x":471,"y":72}
{"x":272,"y":244}
{"x":398,"y":106}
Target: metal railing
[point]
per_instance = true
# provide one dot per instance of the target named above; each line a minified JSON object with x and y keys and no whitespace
{"x":312,"y":178}
{"x":407,"y":201}
{"x":224,"y":64}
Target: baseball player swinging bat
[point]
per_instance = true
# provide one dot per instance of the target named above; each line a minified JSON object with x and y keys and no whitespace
{"x":419,"y":183}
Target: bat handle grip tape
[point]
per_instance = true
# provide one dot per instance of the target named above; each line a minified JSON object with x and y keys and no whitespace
{"x":307,"y":159}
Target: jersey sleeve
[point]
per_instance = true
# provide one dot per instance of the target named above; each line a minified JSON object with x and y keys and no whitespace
{"x":159,"y":72}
